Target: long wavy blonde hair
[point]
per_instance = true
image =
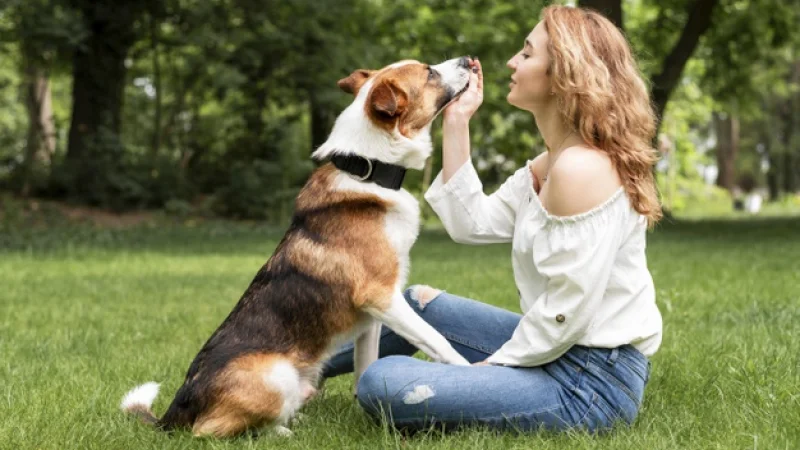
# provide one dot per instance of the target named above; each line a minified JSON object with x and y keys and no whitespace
{"x":603,"y":96}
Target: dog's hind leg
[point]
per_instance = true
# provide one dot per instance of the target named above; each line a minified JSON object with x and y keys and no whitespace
{"x":252,"y":391}
{"x":403,"y":320}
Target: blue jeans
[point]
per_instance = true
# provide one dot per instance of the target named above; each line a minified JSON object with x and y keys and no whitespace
{"x":586,"y":388}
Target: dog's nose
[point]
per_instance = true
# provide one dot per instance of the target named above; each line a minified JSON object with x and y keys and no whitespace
{"x":464,"y":62}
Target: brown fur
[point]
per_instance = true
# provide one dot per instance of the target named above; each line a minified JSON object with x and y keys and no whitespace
{"x":143,"y":413}
{"x":358,"y":242}
{"x":388,"y":104}
{"x":242,"y":399}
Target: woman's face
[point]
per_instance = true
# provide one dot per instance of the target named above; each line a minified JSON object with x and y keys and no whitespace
{"x":530,"y":81}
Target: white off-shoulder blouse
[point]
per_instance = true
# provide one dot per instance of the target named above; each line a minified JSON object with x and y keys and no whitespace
{"x":582,"y":279}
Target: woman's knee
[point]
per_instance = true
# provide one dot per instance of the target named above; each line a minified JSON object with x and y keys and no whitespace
{"x":374,"y":390}
{"x":419,"y":295}
{"x":391,"y":390}
{"x":374,"y":382}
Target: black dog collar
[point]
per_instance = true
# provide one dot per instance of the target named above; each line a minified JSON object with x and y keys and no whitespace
{"x":386,"y":175}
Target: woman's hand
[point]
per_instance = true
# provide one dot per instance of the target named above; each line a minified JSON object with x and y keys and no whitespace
{"x":481,"y":363}
{"x":455,"y":126}
{"x":469,"y":102}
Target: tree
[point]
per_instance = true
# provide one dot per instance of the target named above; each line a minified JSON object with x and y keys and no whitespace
{"x":727,"y":130}
{"x":698,"y":17}
{"x":99,"y":75}
{"x":749,"y":60}
{"x":45,"y":33}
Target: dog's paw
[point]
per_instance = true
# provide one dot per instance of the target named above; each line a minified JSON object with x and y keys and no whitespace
{"x":308,"y":392}
{"x":283,"y":431}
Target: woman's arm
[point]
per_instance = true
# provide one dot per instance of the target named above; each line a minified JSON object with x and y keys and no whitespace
{"x":455,"y":146}
{"x":456,"y":195}
{"x":455,"y":126}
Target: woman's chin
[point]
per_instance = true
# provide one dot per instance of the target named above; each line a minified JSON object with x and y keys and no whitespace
{"x":510,"y":98}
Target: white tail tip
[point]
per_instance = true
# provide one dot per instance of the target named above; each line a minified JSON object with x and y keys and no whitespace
{"x":140,"y":395}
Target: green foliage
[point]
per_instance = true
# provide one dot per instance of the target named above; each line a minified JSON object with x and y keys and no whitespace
{"x":691,"y":196}
{"x":216,"y":88}
{"x":745,"y":52}
{"x":13,"y":123}
{"x":255,"y":190}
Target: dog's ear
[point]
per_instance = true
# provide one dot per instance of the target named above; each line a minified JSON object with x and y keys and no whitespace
{"x":388,"y":99}
{"x":353,"y":83}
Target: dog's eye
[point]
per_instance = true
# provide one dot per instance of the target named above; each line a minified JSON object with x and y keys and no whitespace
{"x":431,"y":74}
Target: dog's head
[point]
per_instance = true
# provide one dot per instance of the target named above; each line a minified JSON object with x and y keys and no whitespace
{"x":390,"y":117}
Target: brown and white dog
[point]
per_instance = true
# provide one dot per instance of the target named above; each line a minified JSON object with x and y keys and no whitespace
{"x":336,"y":274}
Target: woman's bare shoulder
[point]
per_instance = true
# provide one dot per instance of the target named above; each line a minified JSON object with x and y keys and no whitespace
{"x":581,"y":179}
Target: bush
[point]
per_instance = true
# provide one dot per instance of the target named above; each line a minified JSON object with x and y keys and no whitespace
{"x":255,"y":190}
{"x":130,"y":182}
{"x":693,"y":196}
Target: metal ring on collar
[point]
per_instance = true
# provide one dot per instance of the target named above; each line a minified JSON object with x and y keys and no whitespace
{"x":369,"y":172}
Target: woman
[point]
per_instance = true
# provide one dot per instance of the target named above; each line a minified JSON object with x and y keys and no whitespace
{"x":577,"y":216}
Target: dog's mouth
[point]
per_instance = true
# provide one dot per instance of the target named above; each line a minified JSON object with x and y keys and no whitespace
{"x":453,"y":98}
{"x":464,"y":89}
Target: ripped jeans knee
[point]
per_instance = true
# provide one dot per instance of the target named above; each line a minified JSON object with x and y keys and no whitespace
{"x":420,"y":295}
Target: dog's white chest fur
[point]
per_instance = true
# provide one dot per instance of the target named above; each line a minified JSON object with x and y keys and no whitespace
{"x":402,"y":220}
{"x":402,"y":229}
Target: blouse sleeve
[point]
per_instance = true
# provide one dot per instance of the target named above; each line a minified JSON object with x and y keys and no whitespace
{"x":576,"y":257}
{"x":470,"y":216}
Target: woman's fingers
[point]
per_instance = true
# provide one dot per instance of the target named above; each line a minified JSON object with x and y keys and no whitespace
{"x":474,"y":82}
{"x":476,"y":76}
{"x":480,"y":74}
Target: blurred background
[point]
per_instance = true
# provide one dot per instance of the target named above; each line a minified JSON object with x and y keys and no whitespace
{"x":212,"y":107}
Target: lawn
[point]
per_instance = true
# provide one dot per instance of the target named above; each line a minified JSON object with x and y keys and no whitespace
{"x":87,"y":313}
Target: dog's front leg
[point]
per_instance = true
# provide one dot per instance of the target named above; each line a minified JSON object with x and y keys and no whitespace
{"x":366,"y":350}
{"x":403,"y":320}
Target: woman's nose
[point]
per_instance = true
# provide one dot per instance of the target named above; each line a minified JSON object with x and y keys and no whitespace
{"x":512,"y":63}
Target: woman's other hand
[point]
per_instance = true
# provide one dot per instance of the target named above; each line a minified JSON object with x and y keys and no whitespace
{"x":471,"y":99}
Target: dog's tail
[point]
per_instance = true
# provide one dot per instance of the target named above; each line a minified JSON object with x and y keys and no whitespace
{"x":139,"y":400}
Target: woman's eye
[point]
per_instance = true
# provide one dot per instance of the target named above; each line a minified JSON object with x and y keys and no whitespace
{"x":525,"y":56}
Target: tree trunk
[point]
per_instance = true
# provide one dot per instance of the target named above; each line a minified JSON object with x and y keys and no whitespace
{"x":766,"y":136}
{"x":321,"y":121}
{"x":785,"y":117}
{"x":609,"y":8}
{"x":252,"y":142}
{"x":179,"y":104}
{"x":700,"y":13}
{"x":97,"y":96}
{"x":727,"y":129}
{"x":792,"y":161}
{"x":789,"y":184}
{"x":41,"y":139}
{"x":772,"y":178}
{"x":156,"y":145}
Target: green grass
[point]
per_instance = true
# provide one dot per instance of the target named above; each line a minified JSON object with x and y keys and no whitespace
{"x":86,"y":314}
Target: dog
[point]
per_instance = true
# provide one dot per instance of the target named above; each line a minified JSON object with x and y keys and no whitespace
{"x":338,"y":272}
